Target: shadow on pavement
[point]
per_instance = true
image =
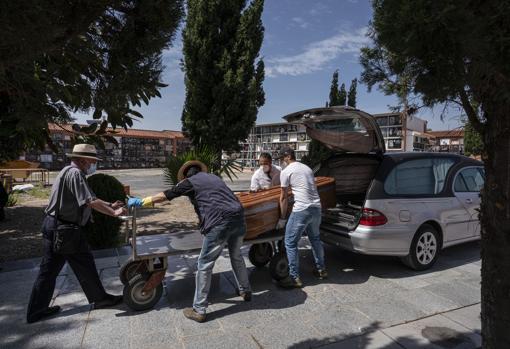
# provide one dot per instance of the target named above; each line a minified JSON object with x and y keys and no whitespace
{"x":439,"y":337}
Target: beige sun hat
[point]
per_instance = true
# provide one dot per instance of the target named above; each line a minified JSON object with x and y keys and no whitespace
{"x":184,"y":168}
{"x":87,"y":151}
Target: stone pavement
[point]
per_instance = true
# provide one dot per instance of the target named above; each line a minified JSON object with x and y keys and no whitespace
{"x":367,"y":302}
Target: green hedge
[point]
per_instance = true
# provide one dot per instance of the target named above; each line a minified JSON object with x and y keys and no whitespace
{"x":104,"y":231}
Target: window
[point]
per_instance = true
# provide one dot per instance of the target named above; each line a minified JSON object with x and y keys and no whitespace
{"x":394,"y":143}
{"x":469,"y":180}
{"x":394,"y":120}
{"x":418,"y":177}
{"x":394,"y":131}
{"x":382,"y":121}
{"x":342,"y":125}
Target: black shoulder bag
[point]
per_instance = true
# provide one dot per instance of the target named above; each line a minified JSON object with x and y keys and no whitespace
{"x":67,"y":237}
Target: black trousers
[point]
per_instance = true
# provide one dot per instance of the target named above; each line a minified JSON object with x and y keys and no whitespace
{"x":82,"y":264}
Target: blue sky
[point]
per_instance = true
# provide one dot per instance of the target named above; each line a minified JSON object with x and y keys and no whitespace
{"x":305,"y":42}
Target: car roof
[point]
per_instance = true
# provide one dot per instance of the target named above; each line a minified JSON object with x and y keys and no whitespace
{"x":398,"y":156}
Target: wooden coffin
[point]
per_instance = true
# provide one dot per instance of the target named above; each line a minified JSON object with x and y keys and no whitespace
{"x":262,"y":209}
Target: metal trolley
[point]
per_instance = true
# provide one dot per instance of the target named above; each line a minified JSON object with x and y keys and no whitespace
{"x":144,"y":272}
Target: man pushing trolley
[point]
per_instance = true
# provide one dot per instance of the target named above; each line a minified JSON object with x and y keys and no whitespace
{"x":222,"y":224}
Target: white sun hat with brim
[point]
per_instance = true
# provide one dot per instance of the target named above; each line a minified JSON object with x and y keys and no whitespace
{"x":87,"y":151}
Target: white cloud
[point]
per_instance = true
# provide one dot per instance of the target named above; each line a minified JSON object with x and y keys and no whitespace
{"x":172,"y":60}
{"x":300,"y":22}
{"x":317,"y":54}
{"x":319,"y":9}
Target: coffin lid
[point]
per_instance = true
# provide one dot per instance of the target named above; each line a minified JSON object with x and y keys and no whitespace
{"x":342,"y":129}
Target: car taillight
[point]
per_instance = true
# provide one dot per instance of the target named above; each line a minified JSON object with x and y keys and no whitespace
{"x":372,"y":218}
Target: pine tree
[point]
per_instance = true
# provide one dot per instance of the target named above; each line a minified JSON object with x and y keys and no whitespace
{"x":333,"y":91}
{"x":464,"y":61}
{"x":62,"y":57}
{"x":473,"y":144}
{"x":342,"y":95}
{"x":351,"y":102}
{"x":221,"y":42}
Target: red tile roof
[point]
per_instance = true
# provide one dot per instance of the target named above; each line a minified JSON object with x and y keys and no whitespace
{"x":456,"y":133}
{"x":120,"y":132}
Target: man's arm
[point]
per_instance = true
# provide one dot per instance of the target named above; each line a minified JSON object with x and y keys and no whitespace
{"x":184,"y":187}
{"x":84,"y":196}
{"x":254,"y":186}
{"x":284,"y":202}
{"x":105,"y":208}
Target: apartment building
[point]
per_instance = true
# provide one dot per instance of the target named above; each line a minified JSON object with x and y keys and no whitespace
{"x":403,"y":134}
{"x":136,"y":149}
{"x":270,"y":138}
{"x":450,"y":141}
{"x":399,"y":134}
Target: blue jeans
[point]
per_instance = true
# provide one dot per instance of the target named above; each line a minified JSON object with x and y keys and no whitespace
{"x":228,"y":233}
{"x":309,"y":220}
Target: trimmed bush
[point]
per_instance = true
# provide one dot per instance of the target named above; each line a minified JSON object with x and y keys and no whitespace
{"x":104,"y":231}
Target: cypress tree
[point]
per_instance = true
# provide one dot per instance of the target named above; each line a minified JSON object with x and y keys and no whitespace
{"x":333,"y":91}
{"x":221,"y":42}
{"x":342,"y":95}
{"x":351,"y":101}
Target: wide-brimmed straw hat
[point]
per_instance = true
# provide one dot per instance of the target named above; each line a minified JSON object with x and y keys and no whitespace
{"x":87,"y":151}
{"x":184,"y":168}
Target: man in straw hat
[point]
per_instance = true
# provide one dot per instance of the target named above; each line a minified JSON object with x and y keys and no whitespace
{"x":221,"y":222}
{"x":71,"y":203}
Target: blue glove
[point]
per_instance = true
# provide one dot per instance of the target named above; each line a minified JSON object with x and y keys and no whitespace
{"x":136,"y":202}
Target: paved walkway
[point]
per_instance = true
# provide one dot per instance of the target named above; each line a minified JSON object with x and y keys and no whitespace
{"x":368,"y":302}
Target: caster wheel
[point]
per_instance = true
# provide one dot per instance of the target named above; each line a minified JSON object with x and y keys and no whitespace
{"x":138,"y":300}
{"x":260,"y":254}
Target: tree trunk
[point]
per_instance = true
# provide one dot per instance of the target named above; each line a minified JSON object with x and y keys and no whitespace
{"x":495,"y":223}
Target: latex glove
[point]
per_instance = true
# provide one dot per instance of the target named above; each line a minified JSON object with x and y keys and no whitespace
{"x":281,"y":224}
{"x":147,"y":202}
{"x":134,"y":202}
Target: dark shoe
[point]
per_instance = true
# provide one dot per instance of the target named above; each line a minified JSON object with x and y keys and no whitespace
{"x":245,"y":295}
{"x":109,"y":301}
{"x":42,"y":314}
{"x":321,"y":274}
{"x":191,"y":314}
{"x":289,"y":282}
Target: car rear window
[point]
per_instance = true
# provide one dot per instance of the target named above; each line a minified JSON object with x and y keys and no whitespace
{"x":342,"y":125}
{"x":418,"y":177}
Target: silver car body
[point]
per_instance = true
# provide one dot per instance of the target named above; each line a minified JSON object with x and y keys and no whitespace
{"x":454,"y":214}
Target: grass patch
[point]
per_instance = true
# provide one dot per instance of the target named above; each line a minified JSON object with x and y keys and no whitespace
{"x":39,"y":192}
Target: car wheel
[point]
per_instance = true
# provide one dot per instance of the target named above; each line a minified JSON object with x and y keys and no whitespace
{"x":424,"y":248}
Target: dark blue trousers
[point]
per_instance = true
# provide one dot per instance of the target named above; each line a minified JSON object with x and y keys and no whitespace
{"x":82,"y":264}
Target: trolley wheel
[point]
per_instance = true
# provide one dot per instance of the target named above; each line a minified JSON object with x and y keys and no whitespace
{"x":260,"y":254}
{"x":279,"y":266}
{"x":130,"y":269}
{"x":138,"y":300}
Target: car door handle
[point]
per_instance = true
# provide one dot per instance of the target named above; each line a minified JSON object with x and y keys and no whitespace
{"x":469,"y":201}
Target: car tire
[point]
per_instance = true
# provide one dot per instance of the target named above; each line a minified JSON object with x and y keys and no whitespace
{"x":424,"y":249}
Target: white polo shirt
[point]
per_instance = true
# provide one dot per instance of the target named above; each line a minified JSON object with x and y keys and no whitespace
{"x":262,"y":180}
{"x":300,"y":179}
